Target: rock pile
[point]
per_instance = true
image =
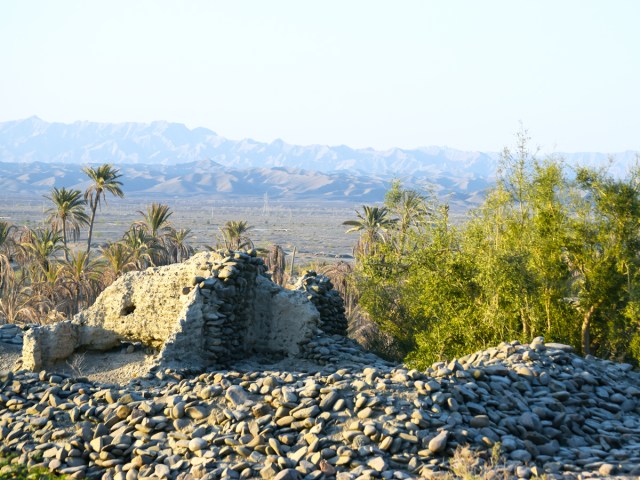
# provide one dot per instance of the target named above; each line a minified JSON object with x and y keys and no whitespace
{"x":320,"y":291}
{"x":339,"y":352}
{"x":550,"y":411}
{"x":11,"y":334}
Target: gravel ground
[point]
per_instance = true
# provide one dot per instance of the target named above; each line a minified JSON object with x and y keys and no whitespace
{"x":548,"y":412}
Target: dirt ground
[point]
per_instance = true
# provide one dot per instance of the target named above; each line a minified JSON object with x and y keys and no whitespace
{"x":9,"y":356}
{"x":120,"y":367}
{"x":116,"y":366}
{"x":314,"y":228}
{"x":106,"y":367}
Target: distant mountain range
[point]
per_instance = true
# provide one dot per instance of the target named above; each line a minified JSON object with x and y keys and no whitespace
{"x":170,"y":159}
{"x":196,"y":178}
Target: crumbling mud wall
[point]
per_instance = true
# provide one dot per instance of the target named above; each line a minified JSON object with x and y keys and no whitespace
{"x":211,"y":309}
{"x":46,"y":345}
{"x":142,"y":306}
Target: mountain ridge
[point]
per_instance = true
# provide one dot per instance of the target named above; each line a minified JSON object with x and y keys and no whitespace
{"x":165,"y":142}
{"x":207,"y":178}
{"x":170,"y":158}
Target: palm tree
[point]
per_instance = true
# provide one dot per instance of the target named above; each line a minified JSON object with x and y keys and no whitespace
{"x":49,"y":285}
{"x":156,"y":219}
{"x":19,"y":303}
{"x":156,"y":224}
{"x":373,"y":222}
{"x":82,"y":279}
{"x":341,"y":276}
{"x":412,"y":211}
{"x":234,"y":235}
{"x":143,"y":247}
{"x":68,"y":210}
{"x":6,"y":244}
{"x":104,"y":180}
{"x":178,"y":246}
{"x":41,"y":245}
{"x":119,"y":258}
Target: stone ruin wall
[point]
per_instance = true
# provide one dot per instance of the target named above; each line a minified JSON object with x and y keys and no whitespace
{"x":327,"y":301}
{"x":212,"y":309}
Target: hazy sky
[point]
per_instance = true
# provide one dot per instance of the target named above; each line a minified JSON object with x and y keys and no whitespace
{"x":363,"y":73}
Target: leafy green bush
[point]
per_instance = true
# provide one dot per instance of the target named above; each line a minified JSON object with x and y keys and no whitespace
{"x":544,"y":255}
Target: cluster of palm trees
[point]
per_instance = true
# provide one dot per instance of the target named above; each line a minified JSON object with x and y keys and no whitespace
{"x":41,"y":276}
{"x":405,"y":211}
{"x":45,"y":274}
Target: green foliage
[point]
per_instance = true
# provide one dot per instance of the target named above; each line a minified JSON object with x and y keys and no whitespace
{"x":154,"y":240}
{"x":373,"y":223}
{"x":544,"y":255}
{"x":40,"y":246}
{"x":178,"y":245}
{"x":235,"y":235}
{"x":67,"y":212}
{"x":142,"y":246}
{"x":18,"y":471}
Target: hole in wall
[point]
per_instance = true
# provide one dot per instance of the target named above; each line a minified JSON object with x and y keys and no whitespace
{"x":128,"y":309}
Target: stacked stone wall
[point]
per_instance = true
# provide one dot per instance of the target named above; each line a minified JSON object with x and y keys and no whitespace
{"x":229,"y":304}
{"x":328,"y":301}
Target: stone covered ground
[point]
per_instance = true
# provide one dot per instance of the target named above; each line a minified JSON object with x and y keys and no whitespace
{"x":337,"y":413}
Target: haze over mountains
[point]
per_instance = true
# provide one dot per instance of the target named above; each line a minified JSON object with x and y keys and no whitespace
{"x":170,"y":159}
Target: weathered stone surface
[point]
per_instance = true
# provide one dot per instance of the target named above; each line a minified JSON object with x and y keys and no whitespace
{"x":138,"y":305}
{"x":46,"y":345}
{"x":282,"y":319}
